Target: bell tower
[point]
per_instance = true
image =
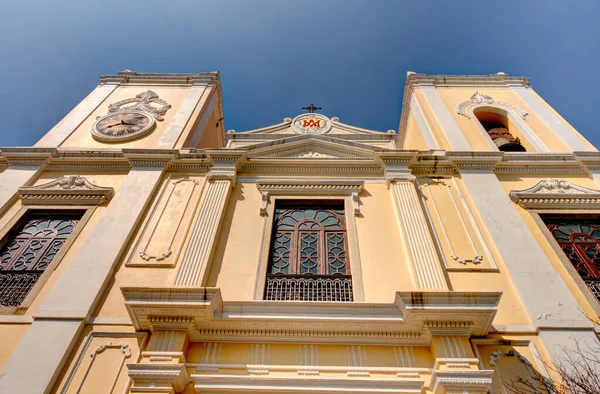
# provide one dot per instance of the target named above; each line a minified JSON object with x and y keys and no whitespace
{"x":495,"y":112}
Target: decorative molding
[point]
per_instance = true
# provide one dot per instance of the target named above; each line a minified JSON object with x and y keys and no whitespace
{"x":309,"y":187}
{"x":478,"y":257}
{"x":553,"y":193}
{"x":127,"y":77}
{"x":122,"y":346}
{"x":410,"y":319}
{"x":205,"y":383}
{"x":479,"y":99}
{"x":68,"y":190}
{"x":165,"y":207}
{"x":201,"y":242}
{"x":311,"y":123}
{"x":144,"y":374}
{"x":425,"y":261}
{"x":444,"y":381}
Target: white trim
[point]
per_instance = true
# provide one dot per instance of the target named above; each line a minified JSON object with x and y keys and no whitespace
{"x":568,"y":138}
{"x":78,"y":115}
{"x":181,"y":118}
{"x":417,"y":112}
{"x":536,"y":143}
{"x":453,"y":133}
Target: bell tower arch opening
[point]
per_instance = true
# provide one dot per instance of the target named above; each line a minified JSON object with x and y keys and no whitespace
{"x":501,"y":130}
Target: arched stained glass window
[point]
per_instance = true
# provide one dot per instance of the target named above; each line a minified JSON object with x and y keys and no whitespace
{"x":28,"y":250}
{"x":579,"y":238}
{"x":309,"y":245}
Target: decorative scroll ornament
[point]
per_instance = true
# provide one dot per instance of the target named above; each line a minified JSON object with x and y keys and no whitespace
{"x":147,"y":101}
{"x":68,"y":190}
{"x":553,"y":193}
{"x":482,"y":99}
{"x":311,"y":123}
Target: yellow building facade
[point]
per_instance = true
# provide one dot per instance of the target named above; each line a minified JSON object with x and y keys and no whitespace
{"x":145,"y":249}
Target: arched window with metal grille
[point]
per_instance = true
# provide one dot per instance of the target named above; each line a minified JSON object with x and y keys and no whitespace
{"x":579,"y":238}
{"x":308,"y":260}
{"x":28,"y":250}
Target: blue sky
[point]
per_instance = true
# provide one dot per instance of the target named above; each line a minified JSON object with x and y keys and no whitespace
{"x":348,"y":56}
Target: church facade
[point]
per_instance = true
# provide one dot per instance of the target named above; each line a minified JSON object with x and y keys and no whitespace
{"x":145,"y":249}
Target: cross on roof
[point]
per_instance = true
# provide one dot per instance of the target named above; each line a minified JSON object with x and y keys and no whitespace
{"x":311,"y":108}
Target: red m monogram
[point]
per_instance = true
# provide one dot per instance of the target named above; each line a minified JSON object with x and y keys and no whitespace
{"x":311,"y":123}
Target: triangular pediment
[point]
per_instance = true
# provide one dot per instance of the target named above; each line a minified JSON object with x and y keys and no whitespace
{"x":310,"y":148}
{"x":313,"y":123}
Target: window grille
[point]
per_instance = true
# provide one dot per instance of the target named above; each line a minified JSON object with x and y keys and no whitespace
{"x":579,"y":238}
{"x":27,"y":252}
{"x":308,"y":259}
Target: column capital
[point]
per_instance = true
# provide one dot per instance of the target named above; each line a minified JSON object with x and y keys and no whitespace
{"x":460,"y":382}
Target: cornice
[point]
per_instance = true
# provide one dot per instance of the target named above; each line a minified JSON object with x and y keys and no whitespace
{"x":204,"y":314}
{"x":30,"y":156}
{"x":150,"y":157}
{"x":591,"y":160}
{"x":212,"y":383}
{"x":135,"y":78}
{"x":71,"y":190}
{"x":553,"y":193}
{"x":474,"y":160}
{"x":454,"y":381}
{"x":414,"y":80}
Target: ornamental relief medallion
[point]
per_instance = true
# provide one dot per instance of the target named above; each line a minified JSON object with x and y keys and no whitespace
{"x":130,"y":118}
{"x":311,"y":123}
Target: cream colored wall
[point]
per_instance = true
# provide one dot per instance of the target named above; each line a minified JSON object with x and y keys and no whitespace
{"x":452,"y":97}
{"x":385,"y":267}
{"x":105,"y":179}
{"x":573,"y":130}
{"x":234,"y":267}
{"x":89,"y":370}
{"x":175,"y":203}
{"x":515,"y":182}
{"x":236,"y":261}
{"x":414,"y":136}
{"x":11,"y":335}
{"x":82,"y":137}
{"x":432,"y":121}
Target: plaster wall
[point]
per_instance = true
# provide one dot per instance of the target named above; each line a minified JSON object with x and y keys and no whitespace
{"x":236,"y":261}
{"x":82,"y":137}
{"x":510,"y":183}
{"x":414,"y":135}
{"x":452,"y":97}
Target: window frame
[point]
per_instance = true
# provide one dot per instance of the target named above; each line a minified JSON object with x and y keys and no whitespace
{"x":355,"y":269}
{"x":22,"y":213}
{"x":527,"y":132}
{"x":569,"y":267}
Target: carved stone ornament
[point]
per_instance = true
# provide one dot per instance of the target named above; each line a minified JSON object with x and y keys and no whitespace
{"x":482,"y":99}
{"x":130,"y":118}
{"x":68,"y":190}
{"x":147,"y":101}
{"x":311,"y":123}
{"x":553,"y":193}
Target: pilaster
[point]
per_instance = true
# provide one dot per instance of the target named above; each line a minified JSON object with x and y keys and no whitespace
{"x":444,"y":117}
{"x":568,"y":137}
{"x":426,"y":264}
{"x":182,"y":117}
{"x":64,"y":311}
{"x":162,"y":366}
{"x":59,"y":133}
{"x":547,"y":300}
{"x":205,"y":230}
{"x":24,"y":164}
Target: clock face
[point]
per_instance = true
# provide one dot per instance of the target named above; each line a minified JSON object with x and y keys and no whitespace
{"x":122,"y":126}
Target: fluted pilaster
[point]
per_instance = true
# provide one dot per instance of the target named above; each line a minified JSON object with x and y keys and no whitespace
{"x":204,"y":233}
{"x":425,"y":261}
